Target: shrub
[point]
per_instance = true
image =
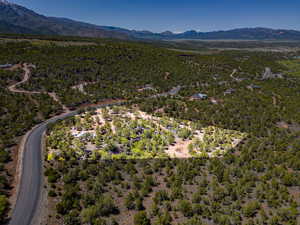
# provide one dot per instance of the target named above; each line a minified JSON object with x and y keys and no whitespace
{"x":129,"y":201}
{"x":161,"y":196}
{"x":52,"y":193}
{"x":164,"y":219}
{"x":185,"y":207}
{"x":251,"y":208}
{"x":141,"y":219}
{"x":3,"y":206}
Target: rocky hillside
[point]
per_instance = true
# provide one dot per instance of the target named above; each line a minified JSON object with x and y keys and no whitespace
{"x":18,"y":19}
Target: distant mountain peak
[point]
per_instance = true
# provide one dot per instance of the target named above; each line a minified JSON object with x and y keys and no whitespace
{"x":18,"y":19}
{"x":167,"y":33}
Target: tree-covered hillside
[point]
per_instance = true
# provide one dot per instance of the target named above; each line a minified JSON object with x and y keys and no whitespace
{"x":255,"y":183}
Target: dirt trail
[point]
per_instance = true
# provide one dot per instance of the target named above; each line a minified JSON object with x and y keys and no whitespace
{"x":13,"y":88}
{"x":55,"y":98}
{"x":233,"y":72}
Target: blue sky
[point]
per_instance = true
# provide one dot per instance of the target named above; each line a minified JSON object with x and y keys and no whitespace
{"x":174,"y":15}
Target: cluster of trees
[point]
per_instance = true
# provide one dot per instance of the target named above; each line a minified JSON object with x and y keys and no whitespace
{"x":216,"y":141}
{"x":112,"y":70}
{"x":123,"y":132}
{"x":18,"y":114}
{"x":4,"y":184}
{"x":109,"y":67}
{"x":119,"y":137}
{"x":229,"y":190}
{"x":257,"y":182}
{"x":265,"y":168}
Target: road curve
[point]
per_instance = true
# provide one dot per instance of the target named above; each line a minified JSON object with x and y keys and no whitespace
{"x":31,"y":179}
{"x":27,"y":73}
{"x":31,"y":176}
{"x":13,"y":88}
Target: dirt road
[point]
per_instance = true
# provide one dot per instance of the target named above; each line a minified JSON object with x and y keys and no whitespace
{"x":27,"y":72}
{"x":13,"y":88}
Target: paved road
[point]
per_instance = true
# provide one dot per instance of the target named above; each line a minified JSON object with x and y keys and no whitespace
{"x":31,"y":177}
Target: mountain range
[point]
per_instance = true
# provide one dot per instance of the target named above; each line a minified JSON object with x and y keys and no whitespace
{"x":20,"y":20}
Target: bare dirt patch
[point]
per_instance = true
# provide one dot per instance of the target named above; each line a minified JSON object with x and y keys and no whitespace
{"x":282,"y":124}
{"x":179,"y":149}
{"x":81,"y":86}
{"x":294,"y":127}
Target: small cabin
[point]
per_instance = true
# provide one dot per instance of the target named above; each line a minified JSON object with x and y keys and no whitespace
{"x":229,"y":91}
{"x":199,"y":96}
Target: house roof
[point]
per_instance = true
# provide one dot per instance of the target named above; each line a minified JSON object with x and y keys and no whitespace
{"x":199,"y":96}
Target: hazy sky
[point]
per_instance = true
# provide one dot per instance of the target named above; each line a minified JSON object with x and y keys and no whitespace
{"x":174,"y":15}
